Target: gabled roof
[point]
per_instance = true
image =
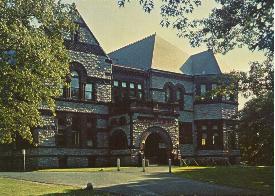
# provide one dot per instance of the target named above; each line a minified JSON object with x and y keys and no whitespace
{"x":150,"y":52}
{"x":203,"y":63}
{"x":87,"y":42}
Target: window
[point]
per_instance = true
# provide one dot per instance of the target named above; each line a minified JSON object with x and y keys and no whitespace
{"x":203,"y":139}
{"x":132,"y":85}
{"x":74,"y":85}
{"x":115,"y":83}
{"x":61,"y":89}
{"x":203,"y":89}
{"x":132,"y":89}
{"x":168,"y":94}
{"x":215,"y":127}
{"x":140,"y":91}
{"x":178,"y":95}
{"x":140,"y":94}
{"x":215,"y":138}
{"x":124,"y":84}
{"x":75,"y":138}
{"x":139,"y":87}
{"x":213,"y":87}
{"x":204,"y":127}
{"x":89,"y":92}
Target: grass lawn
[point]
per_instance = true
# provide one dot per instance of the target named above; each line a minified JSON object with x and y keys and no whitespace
{"x":14,"y":187}
{"x":105,"y":169}
{"x":257,"y":178}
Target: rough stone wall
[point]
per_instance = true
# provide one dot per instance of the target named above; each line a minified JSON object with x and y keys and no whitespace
{"x":46,"y":136}
{"x":207,"y":111}
{"x":169,"y":125}
{"x":81,"y":107}
{"x":104,"y":92}
{"x":86,"y":37}
{"x":94,"y":65}
{"x":77,"y":162}
{"x":214,"y":111}
{"x":47,"y":162}
{"x":66,"y":152}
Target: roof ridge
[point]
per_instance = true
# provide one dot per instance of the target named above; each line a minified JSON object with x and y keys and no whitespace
{"x":154,"y":34}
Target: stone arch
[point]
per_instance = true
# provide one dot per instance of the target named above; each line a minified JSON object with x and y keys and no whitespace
{"x":156,"y":145}
{"x":162,"y":133}
{"x":118,"y":140}
{"x":80,"y":69}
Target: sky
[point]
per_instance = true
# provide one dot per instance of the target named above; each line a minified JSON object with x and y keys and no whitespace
{"x":116,"y":27}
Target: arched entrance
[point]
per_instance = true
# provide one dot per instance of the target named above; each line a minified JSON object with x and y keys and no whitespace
{"x":118,"y":140}
{"x":156,"y":145}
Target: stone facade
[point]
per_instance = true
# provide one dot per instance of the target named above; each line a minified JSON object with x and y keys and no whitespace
{"x":112,"y":111}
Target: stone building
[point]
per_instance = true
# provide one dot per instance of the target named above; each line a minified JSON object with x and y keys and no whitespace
{"x":146,"y":99}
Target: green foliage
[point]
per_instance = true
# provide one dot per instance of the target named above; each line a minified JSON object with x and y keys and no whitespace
{"x":33,"y":62}
{"x":256,"y":130}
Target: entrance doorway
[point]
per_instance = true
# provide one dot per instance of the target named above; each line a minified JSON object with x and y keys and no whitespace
{"x":156,"y":149}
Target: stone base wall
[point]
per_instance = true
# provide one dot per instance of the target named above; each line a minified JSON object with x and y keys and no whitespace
{"x":77,"y":162}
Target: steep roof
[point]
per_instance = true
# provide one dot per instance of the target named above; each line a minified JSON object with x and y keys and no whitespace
{"x":201,"y":64}
{"x":86,"y":42}
{"x":150,"y":52}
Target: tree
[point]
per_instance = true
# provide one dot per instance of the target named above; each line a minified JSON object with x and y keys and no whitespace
{"x":33,"y":62}
{"x":234,"y":23}
{"x":256,"y":128}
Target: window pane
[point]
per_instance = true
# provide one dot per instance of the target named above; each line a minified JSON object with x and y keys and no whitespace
{"x":203,"y":142}
{"x":139,"y":86}
{"x":74,"y":92}
{"x":89,"y":91}
{"x":124,"y":85}
{"x":88,"y":95}
{"x":132,"y":85}
{"x":178,"y":95}
{"x":74,"y":74}
{"x":89,"y":87}
{"x":116,"y":83}
{"x":140,"y":95}
{"x":75,"y":83}
{"x":204,"y":127}
{"x":203,"y":89}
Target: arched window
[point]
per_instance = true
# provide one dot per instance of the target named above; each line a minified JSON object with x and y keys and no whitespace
{"x":178,"y":95}
{"x":118,"y":140}
{"x":168,"y":94}
{"x":74,"y":85}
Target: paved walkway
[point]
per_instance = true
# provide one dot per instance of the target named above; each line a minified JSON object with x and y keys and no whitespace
{"x":131,"y":181}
